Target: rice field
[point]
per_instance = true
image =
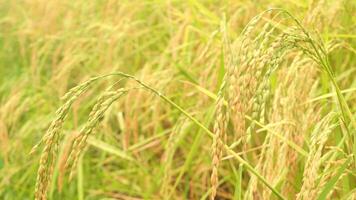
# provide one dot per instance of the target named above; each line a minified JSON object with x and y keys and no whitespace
{"x":178,"y":100}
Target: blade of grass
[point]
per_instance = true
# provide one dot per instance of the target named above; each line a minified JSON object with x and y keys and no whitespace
{"x":332,"y":182}
{"x":80,"y":179}
{"x":200,"y":7}
{"x":108,"y":148}
{"x":324,"y":96}
{"x":340,"y":35}
{"x":238,"y":184}
{"x":186,"y":74}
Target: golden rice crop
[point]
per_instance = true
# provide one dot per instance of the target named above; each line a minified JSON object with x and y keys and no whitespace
{"x":186,"y":100}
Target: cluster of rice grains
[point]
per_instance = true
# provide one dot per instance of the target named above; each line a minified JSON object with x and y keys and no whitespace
{"x":51,"y":140}
{"x":52,"y":137}
{"x":266,"y":51}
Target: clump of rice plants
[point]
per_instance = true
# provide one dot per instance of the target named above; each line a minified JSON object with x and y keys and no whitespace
{"x":177,"y":100}
{"x":259,"y":56}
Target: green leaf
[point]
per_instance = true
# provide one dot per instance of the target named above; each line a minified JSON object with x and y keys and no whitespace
{"x":1,"y":163}
{"x":332,"y":182}
{"x":108,"y":148}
